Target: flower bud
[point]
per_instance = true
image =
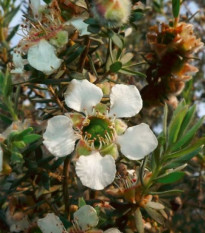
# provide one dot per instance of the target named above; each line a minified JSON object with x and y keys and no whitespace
{"x":111,"y":13}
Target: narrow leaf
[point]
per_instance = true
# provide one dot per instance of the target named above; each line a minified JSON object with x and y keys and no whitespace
{"x":175,"y":8}
{"x":170,"y":178}
{"x":139,"y":221}
{"x":155,"y":215}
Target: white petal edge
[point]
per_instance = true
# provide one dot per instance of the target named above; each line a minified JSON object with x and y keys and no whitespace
{"x":51,"y":224}
{"x":82,"y":95}
{"x":112,"y":230}
{"x":19,"y":63}
{"x":42,"y":56}
{"x":137,"y":142}
{"x":35,"y":5}
{"x":125,"y":101}
{"x":86,"y":217}
{"x":59,"y":137}
{"x":95,"y":171}
{"x":1,"y":159}
{"x":81,"y":26}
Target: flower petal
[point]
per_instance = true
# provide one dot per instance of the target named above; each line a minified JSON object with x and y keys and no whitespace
{"x":59,"y":137}
{"x":81,"y":95}
{"x":51,"y":224}
{"x":81,"y":26}
{"x":42,"y":56}
{"x":112,"y":230}
{"x":125,"y":101}
{"x":86,"y":217}
{"x":19,"y":63}
{"x":95,"y":171}
{"x":137,"y":142}
{"x":35,"y":5}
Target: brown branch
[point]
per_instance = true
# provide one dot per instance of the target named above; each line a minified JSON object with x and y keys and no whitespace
{"x":50,"y":88}
{"x":84,"y":54}
{"x":66,"y":170}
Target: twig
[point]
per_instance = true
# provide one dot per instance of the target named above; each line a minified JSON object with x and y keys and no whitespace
{"x":66,"y":170}
{"x":50,"y":88}
{"x":84,"y":54}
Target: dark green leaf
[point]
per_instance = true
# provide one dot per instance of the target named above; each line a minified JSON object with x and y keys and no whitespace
{"x":81,"y":202}
{"x":91,"y":21}
{"x":190,"y":149}
{"x":189,"y":135}
{"x":94,"y":29}
{"x":181,"y":160}
{"x":175,"y":8}
{"x":75,"y":54}
{"x":115,"y":67}
{"x":12,"y":33}
{"x":187,"y":120}
{"x":131,"y":72}
{"x":9,"y":16}
{"x":175,"y":125}
{"x":170,"y":178}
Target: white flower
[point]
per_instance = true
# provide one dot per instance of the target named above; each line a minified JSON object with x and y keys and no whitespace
{"x":42,"y":56}
{"x":51,"y":224}
{"x":86,"y":217}
{"x":100,"y":133}
{"x":112,"y":230}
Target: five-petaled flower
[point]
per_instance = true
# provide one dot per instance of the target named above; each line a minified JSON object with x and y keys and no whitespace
{"x":99,"y":132}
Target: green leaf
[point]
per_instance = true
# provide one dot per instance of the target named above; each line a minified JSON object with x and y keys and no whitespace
{"x":187,"y":120}
{"x":155,"y":215}
{"x":131,"y":72}
{"x":81,"y":202}
{"x":181,"y":160}
{"x":12,"y":33}
{"x":75,"y":54}
{"x":193,"y":148}
{"x":116,"y":66}
{"x":91,"y":21}
{"x":45,"y":180}
{"x":155,"y":205}
{"x":9,"y":16}
{"x":167,"y":193}
{"x":126,"y":58}
{"x":175,"y":8}
{"x":19,"y":135}
{"x":117,"y":40}
{"x":94,"y":29}
{"x":174,"y":126}
{"x":16,"y":158}
{"x":19,"y":144}
{"x":139,"y":221}
{"x":31,"y":138}
{"x":165,"y":120}
{"x":189,"y":135}
{"x":7,"y":86}
{"x":170,"y":178}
